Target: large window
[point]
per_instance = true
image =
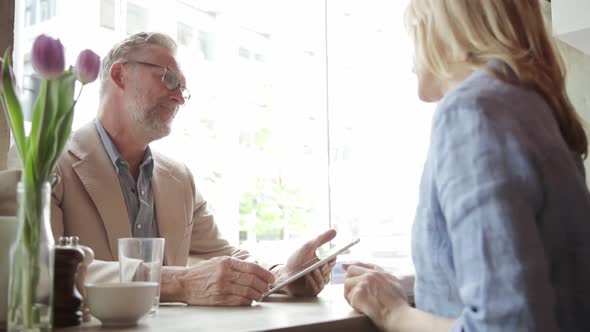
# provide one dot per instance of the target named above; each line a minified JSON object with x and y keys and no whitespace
{"x":379,"y":131}
{"x":304,"y":115}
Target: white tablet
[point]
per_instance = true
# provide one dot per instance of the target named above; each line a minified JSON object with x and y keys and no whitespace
{"x":310,"y":266}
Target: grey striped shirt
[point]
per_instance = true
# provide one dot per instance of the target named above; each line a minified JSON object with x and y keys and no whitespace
{"x":139,"y":197}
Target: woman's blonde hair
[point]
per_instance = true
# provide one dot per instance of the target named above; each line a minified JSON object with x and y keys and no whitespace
{"x":474,"y":32}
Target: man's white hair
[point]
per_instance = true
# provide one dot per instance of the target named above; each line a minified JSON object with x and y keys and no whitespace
{"x":121,"y":50}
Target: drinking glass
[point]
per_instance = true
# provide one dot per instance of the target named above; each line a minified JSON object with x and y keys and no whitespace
{"x":140,"y":259}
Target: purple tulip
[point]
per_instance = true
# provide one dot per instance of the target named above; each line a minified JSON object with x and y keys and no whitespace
{"x":87,"y":66}
{"x":48,"y":57}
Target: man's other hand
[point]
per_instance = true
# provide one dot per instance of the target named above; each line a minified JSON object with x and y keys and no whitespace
{"x":312,"y":283}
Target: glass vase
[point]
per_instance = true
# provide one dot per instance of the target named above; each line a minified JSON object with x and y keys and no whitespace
{"x":30,"y":296}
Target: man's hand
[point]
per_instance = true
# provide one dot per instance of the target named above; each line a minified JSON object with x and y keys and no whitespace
{"x":312,"y":283}
{"x":218,"y":281}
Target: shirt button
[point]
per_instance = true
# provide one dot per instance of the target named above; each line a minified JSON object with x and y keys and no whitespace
{"x":138,"y":226}
{"x":142,"y":193}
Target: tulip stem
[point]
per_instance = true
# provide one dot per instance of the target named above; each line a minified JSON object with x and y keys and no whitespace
{"x":78,"y":97}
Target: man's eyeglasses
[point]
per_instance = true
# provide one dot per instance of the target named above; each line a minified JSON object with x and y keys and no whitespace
{"x":169,"y":78}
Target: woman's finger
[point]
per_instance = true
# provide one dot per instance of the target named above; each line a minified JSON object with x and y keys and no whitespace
{"x":355,"y":270}
{"x":349,"y":284}
{"x":361,"y":264}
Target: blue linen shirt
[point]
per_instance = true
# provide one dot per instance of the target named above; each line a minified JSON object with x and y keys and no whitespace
{"x":501,"y":240}
{"x":139,"y":197}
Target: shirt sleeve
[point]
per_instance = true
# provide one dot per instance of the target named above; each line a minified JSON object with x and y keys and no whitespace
{"x":489,"y":192}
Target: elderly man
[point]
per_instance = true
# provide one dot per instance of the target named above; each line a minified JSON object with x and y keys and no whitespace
{"x":112,"y":185}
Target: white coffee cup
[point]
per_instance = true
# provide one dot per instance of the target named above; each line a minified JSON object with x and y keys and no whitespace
{"x":7,"y":236}
{"x":118,"y":304}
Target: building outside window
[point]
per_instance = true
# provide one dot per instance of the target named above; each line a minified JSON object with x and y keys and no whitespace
{"x":46,"y":9}
{"x":107,"y":14}
{"x":30,"y":89}
{"x":244,"y":52}
{"x":30,"y":13}
{"x":184,"y":34}
{"x":38,"y":11}
{"x":137,"y":17}
{"x":206,"y":44}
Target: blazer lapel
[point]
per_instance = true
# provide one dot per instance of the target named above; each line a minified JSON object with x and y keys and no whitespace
{"x":99,"y":178}
{"x":170,"y":209}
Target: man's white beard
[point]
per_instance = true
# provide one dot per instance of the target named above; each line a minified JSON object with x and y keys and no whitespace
{"x":148,"y":119}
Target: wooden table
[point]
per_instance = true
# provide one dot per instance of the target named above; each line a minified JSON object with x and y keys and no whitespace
{"x":328,"y":312}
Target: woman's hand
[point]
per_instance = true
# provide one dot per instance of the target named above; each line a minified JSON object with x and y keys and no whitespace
{"x":374,"y":292}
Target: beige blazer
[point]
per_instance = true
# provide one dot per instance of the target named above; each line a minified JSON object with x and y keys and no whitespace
{"x":88,"y":202}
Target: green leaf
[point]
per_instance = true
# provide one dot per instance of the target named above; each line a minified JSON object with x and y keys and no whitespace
{"x":54,"y":104}
{"x":40,"y":117}
{"x":46,"y":137}
{"x":28,"y":177}
{"x":63,"y":130}
{"x":12,"y":107}
{"x":63,"y":99}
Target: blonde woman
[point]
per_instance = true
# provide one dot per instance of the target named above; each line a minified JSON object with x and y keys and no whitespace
{"x":501,"y":240}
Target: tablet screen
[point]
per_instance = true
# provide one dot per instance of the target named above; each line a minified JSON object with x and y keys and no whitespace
{"x":310,"y":265}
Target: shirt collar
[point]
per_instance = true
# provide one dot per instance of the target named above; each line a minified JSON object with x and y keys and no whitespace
{"x":147,"y":164}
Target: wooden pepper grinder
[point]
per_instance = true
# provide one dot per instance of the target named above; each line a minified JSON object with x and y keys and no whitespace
{"x":67,"y":302}
{"x":81,"y":278}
